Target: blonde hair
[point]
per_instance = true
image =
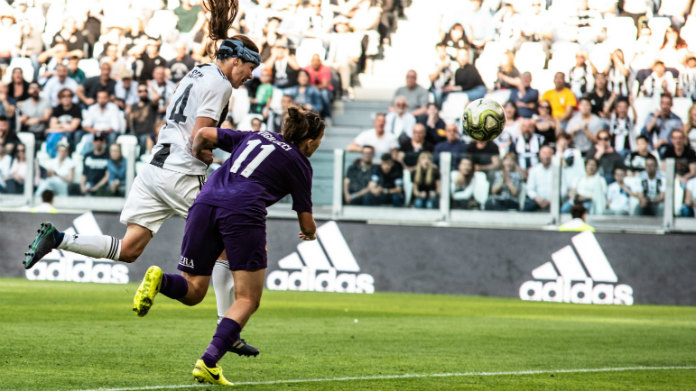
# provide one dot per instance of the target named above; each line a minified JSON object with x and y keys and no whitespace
{"x":428,"y":173}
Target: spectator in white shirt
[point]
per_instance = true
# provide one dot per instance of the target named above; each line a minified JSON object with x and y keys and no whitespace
{"x":539,"y":182}
{"x":59,"y":173}
{"x":400,"y":122}
{"x":103,"y":117}
{"x":377,"y":138}
{"x":619,"y":194}
{"x":57,"y":83}
{"x":126,"y":91}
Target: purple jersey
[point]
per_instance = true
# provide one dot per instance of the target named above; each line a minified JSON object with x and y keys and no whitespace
{"x":261,"y":170}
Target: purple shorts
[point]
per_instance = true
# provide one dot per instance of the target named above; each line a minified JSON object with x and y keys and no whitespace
{"x":209,"y":230}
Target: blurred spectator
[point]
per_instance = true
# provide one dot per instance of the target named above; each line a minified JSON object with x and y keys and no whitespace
{"x":284,"y":66}
{"x":416,"y":96}
{"x":182,"y":64}
{"x":400,"y":122}
{"x":275,"y":119}
{"x":18,"y":170}
{"x":635,"y":161}
{"x":619,"y":74}
{"x":74,"y":72}
{"x":343,"y":55}
{"x":411,"y":148}
{"x":126,"y":91}
{"x":381,"y":141}
{"x":46,"y":205}
{"x":305,"y":94}
{"x":386,"y":184}
{"x":590,"y":190}
{"x":673,"y":48}
{"x":659,"y":82}
{"x":652,"y":190}
{"x":545,"y":124}
{"x":584,"y":126}
{"x":635,"y":9}
{"x":463,"y":185}
{"x":65,"y":121}
{"x":660,"y":123}
{"x":50,"y":58}
{"x":160,"y":89}
{"x":606,"y":156}
{"x":320,"y":77}
{"x":187,"y":15}
{"x":18,"y":88}
{"x":466,"y":79}
{"x":512,"y":127}
{"x":356,"y":184}
{"x":256,"y":124}
{"x":71,"y":37}
{"x":618,"y":194}
{"x":561,"y":98}
{"x":94,"y":177}
{"x":644,"y":52}
{"x":580,"y":75}
{"x":687,"y":209}
{"x":264,"y":92}
{"x":485,"y":156}
{"x":524,"y":96}
{"x":5,"y":164}
{"x":434,"y":125}
{"x":452,"y":144}
{"x":539,"y":182}
{"x":684,"y":156}
{"x":442,"y":74}
{"x":508,"y":75}
{"x":456,"y":40}
{"x":88,"y":91}
{"x":58,"y":83}
{"x":687,"y":78}
{"x":599,"y":96}
{"x":148,"y":61}
{"x":103,"y":117}
{"x":116,"y":170}
{"x":35,"y":112}
{"x":142,"y":117}
{"x":690,"y":126}
{"x":526,"y":146}
{"x":365,"y":21}
{"x":621,"y":124}
{"x":8,"y":105}
{"x":507,"y":183}
{"x":8,"y":138}
{"x":59,"y":173}
{"x":426,"y":182}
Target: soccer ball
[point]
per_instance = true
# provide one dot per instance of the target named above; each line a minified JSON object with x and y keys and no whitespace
{"x":483,"y":119}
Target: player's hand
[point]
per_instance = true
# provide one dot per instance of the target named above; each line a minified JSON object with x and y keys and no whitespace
{"x":302,"y":236}
{"x":206,"y":156}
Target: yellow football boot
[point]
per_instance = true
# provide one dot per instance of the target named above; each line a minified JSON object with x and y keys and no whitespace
{"x":148,"y":289}
{"x":203,"y":374}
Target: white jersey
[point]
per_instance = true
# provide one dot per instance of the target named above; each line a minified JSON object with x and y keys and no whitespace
{"x":203,"y":92}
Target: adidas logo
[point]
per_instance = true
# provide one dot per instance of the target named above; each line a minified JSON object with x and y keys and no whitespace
{"x":591,"y":281}
{"x":61,"y":265}
{"x":323,"y":265}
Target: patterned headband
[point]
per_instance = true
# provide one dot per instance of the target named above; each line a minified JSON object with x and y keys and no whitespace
{"x":234,"y":48}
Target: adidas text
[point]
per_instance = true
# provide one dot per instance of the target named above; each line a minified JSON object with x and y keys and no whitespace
{"x":307,"y":279}
{"x":565,"y":291}
{"x":82,"y":270}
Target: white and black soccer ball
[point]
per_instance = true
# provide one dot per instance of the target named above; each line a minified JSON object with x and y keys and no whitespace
{"x":483,"y":119}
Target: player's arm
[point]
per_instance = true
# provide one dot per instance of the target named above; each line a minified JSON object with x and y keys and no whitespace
{"x":204,"y":141}
{"x":308,"y":227}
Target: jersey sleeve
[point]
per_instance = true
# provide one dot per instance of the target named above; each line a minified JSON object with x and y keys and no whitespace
{"x":301,"y":188}
{"x":229,"y":139}
{"x":211,"y":97}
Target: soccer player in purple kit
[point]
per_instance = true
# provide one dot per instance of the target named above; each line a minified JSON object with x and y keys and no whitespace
{"x":230,"y":214}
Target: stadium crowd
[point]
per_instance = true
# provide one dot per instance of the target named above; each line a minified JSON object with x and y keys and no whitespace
{"x":620,"y":81}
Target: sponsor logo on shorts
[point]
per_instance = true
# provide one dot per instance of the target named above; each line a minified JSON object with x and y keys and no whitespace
{"x":567,"y":279}
{"x":61,"y":265}
{"x":186,"y":262}
{"x":322,"y":265}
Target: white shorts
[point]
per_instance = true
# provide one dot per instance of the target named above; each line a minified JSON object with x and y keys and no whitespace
{"x":158,"y":194}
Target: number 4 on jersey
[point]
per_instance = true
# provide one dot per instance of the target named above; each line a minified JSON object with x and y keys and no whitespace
{"x":179,"y":106}
{"x":251,"y":145}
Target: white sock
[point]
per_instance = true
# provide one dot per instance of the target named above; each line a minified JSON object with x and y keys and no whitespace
{"x":223,"y":284}
{"x":95,"y":246}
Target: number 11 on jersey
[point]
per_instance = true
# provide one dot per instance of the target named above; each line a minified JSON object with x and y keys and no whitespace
{"x":251,"y":145}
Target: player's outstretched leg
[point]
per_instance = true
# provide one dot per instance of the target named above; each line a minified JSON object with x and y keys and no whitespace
{"x":47,"y":238}
{"x":148,"y":289}
{"x":204,"y":374}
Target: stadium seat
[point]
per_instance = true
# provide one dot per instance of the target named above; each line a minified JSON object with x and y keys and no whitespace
{"x":408,"y":187}
{"x":127,"y":141}
{"x":90,"y":66}
{"x":482,"y":188}
{"x":678,"y":197}
{"x":24,"y":64}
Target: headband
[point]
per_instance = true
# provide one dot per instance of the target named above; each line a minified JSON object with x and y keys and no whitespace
{"x":234,"y":48}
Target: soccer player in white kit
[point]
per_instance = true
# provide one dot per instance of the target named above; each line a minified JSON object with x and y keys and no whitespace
{"x":171,"y":182}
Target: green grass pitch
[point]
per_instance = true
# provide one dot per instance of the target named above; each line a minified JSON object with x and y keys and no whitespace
{"x":67,"y":336}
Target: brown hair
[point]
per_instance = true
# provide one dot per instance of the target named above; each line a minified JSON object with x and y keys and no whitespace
{"x":300,"y":124}
{"x":222,"y":15}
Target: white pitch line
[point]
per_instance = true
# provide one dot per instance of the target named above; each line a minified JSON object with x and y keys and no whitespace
{"x":404,"y":376}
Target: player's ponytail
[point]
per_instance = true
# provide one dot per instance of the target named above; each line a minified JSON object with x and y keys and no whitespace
{"x":300,"y":124}
{"x":222,"y":15}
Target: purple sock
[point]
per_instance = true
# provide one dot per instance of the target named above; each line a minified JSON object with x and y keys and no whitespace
{"x":174,"y":286}
{"x":227,"y":333}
